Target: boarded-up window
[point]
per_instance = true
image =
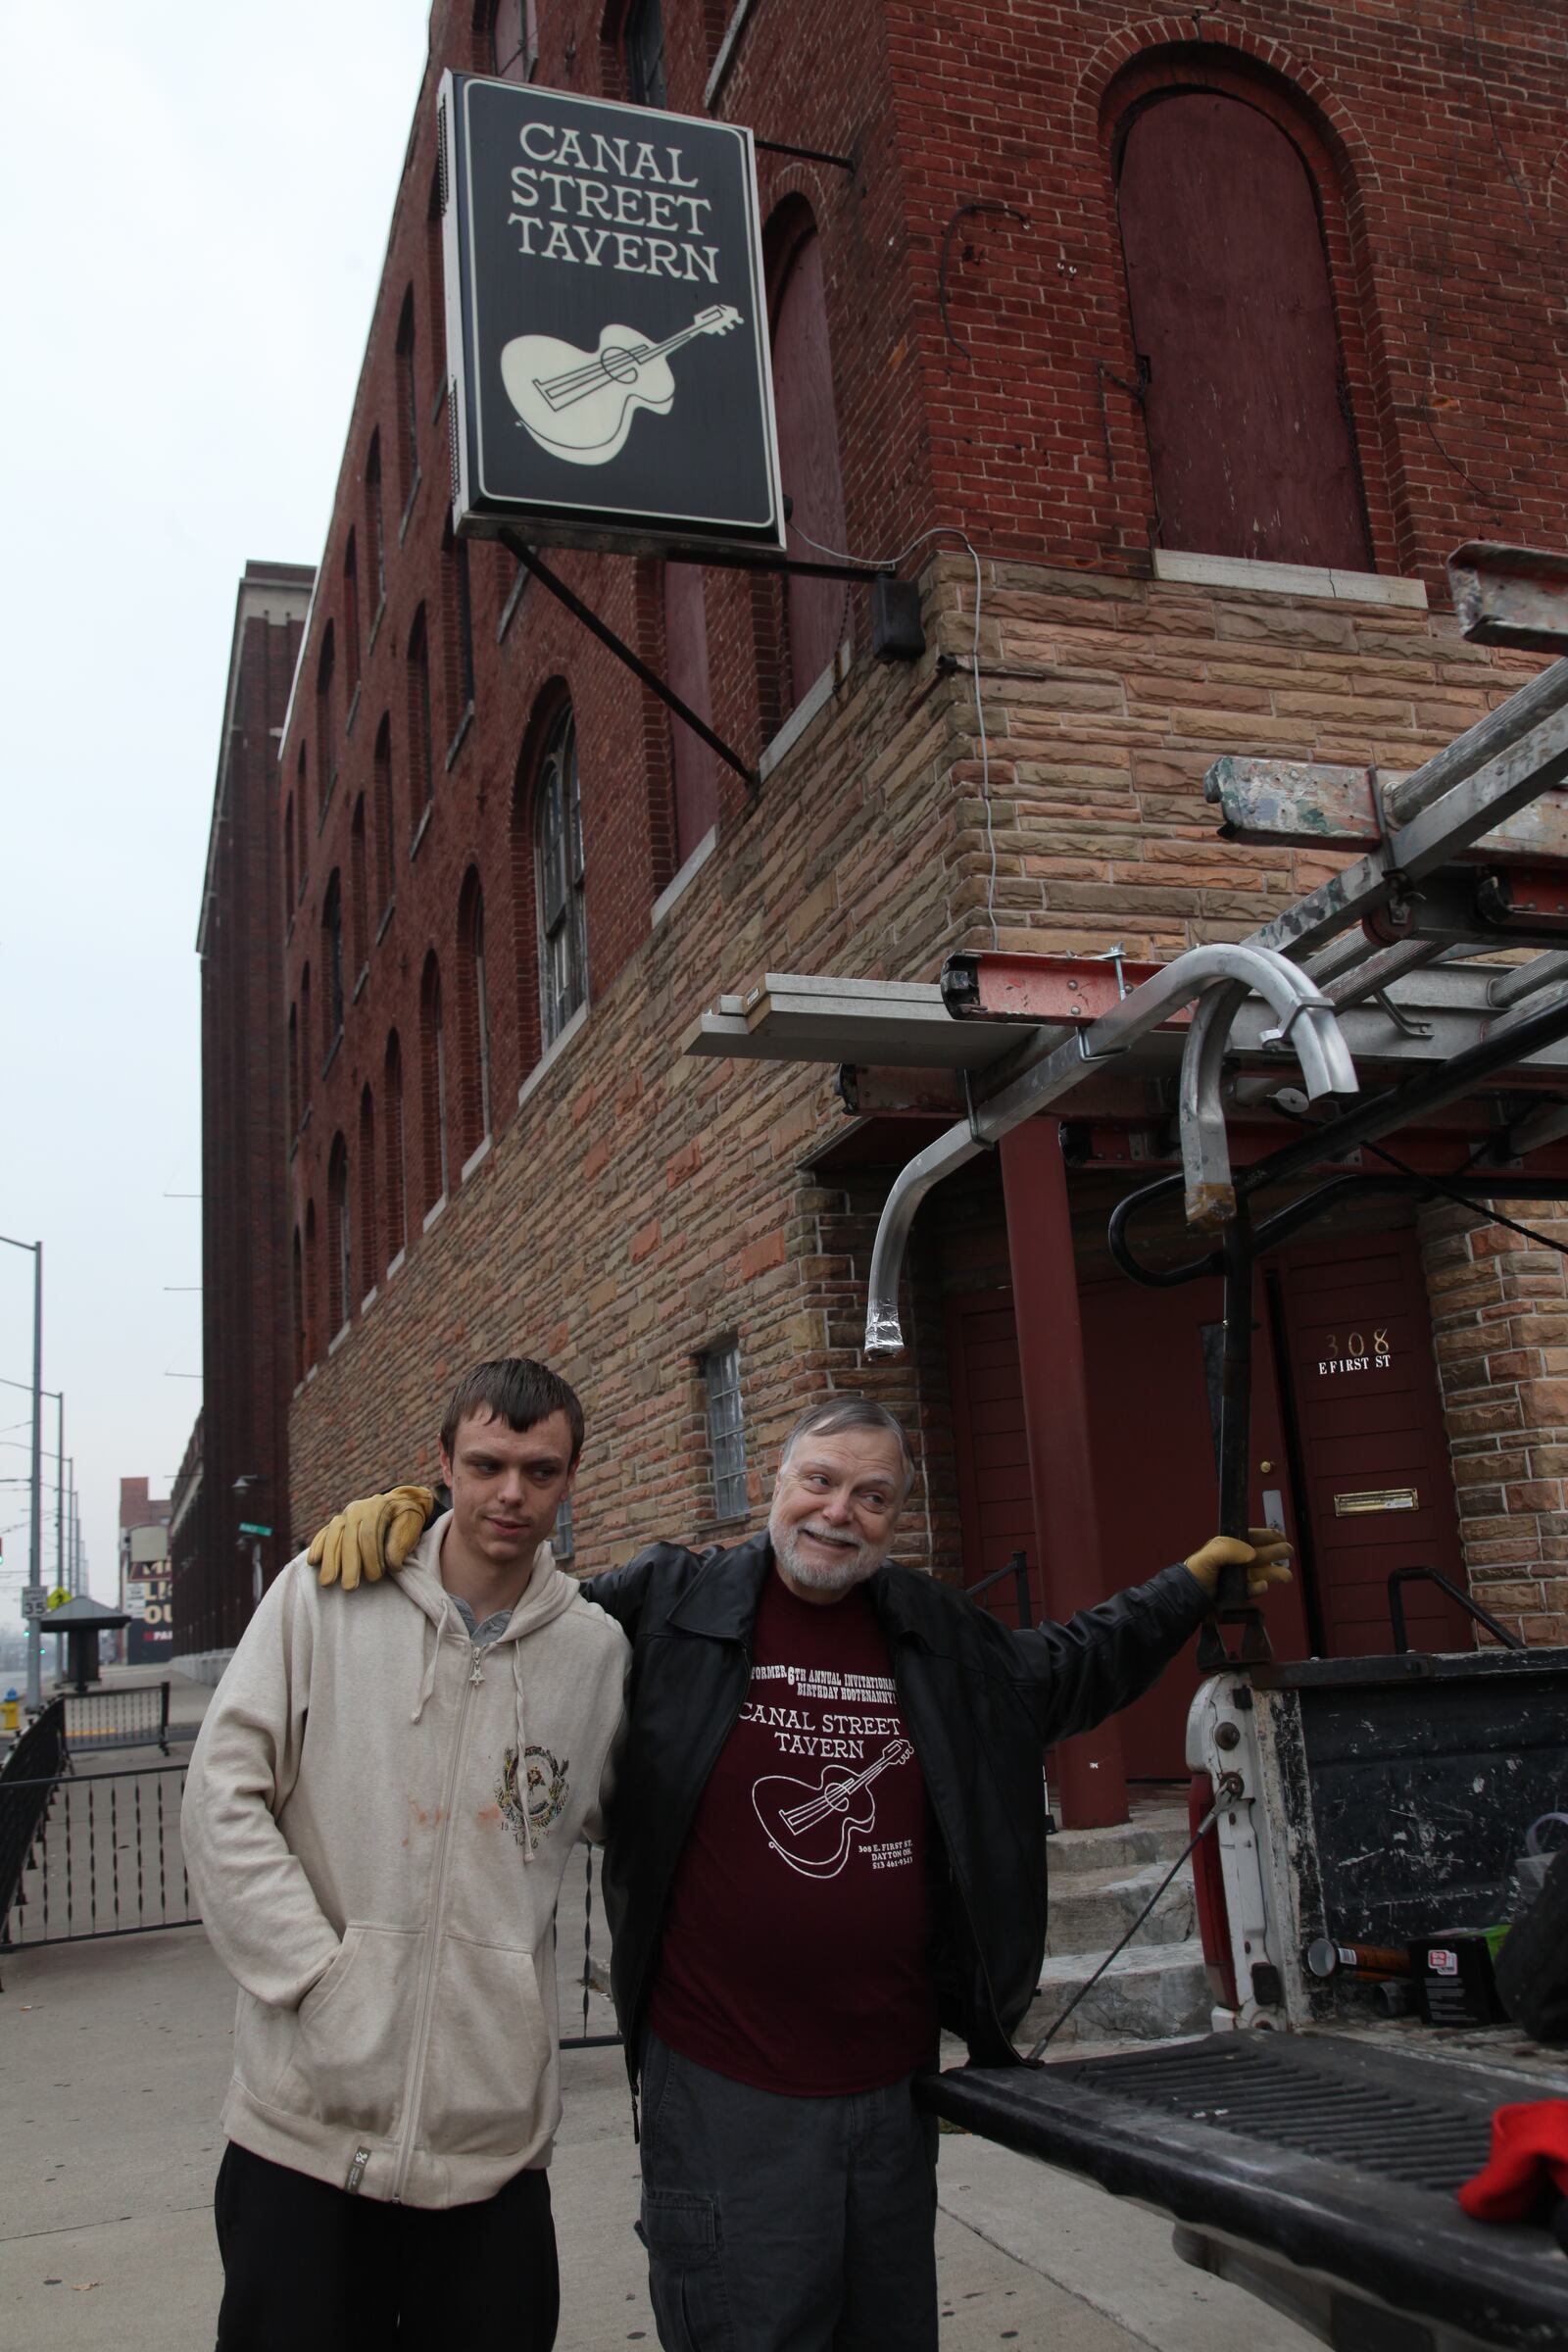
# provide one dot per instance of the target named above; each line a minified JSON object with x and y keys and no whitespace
{"x":1233,"y":317}
{"x":808,"y":457}
{"x":686,"y":659}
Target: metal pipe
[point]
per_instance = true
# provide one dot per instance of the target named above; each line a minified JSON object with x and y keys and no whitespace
{"x":1308,"y":1024}
{"x":1205,"y":1151}
{"x":35,"y":1539}
{"x":1537,"y":700}
{"x":1389,"y":964}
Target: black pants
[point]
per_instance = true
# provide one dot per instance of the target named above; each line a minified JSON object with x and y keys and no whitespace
{"x":309,"y":2267}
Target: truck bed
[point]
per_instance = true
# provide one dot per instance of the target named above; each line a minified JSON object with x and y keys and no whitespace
{"x":1324,"y":2162}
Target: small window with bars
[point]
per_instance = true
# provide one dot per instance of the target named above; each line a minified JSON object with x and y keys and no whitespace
{"x":726,"y":1428}
{"x":563,"y":1535}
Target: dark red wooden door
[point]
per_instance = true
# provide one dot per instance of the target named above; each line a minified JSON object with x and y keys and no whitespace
{"x":1231,"y":309}
{"x":992,"y":1451}
{"x":1155,"y":1478}
{"x":1359,"y":1340}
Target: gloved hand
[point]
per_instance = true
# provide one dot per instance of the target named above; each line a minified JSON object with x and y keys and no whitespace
{"x":1264,"y":1558}
{"x":372,"y":1536}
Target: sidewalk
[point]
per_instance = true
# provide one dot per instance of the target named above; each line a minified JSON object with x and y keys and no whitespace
{"x":115,"y":2056}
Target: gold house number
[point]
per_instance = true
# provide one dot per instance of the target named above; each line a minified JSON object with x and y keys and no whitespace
{"x":1356,"y":1357}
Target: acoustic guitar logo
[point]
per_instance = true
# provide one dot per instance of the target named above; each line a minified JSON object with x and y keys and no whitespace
{"x":814,"y":1826}
{"x":579,"y":405}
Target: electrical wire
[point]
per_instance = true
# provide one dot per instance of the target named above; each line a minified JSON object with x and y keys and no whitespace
{"x":1490,"y":1214}
{"x":944,"y":530}
{"x":1190,"y":1847}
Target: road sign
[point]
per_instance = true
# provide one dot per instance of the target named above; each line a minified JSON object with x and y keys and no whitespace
{"x":248,"y":1527}
{"x":35,"y":1602}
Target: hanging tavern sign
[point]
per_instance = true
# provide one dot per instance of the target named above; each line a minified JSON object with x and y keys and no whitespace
{"x":606,"y":325}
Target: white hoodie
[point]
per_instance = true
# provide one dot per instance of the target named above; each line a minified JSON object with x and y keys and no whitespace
{"x":376,"y":1822}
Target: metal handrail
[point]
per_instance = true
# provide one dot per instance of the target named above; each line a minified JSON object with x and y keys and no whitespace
{"x":1017,"y":1567}
{"x":29,"y":1778}
{"x":1399,"y":1578}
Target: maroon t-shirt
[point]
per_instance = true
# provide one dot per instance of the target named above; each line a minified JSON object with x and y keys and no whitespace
{"x":797,"y":1945}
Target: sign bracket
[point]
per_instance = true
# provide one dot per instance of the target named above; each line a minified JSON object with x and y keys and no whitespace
{"x":529,"y":557}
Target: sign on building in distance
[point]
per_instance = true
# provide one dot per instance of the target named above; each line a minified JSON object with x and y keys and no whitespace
{"x":606,"y":325}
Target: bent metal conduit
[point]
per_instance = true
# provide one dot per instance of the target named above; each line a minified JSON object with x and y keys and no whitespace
{"x":1219,"y":976}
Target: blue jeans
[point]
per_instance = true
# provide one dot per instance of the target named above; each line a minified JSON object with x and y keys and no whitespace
{"x":786,"y":2224}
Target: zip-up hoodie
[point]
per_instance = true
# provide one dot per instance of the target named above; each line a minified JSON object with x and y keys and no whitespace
{"x":376,"y":1821}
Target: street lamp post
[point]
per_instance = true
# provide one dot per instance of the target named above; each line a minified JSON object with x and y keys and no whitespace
{"x":35,"y":1603}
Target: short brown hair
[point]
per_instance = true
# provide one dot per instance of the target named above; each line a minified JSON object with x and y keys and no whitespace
{"x":516,"y":1390}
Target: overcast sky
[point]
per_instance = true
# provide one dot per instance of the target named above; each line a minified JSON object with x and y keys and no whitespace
{"x":196,"y":200}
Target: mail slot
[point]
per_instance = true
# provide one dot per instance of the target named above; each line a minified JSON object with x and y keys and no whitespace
{"x":1376,"y":1498}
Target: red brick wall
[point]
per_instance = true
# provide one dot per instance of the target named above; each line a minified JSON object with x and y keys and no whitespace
{"x":641,"y":1204}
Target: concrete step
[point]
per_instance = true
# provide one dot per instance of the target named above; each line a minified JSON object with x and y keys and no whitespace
{"x":1156,"y":1835}
{"x":1091,"y":1909}
{"x":1150,"y":1992}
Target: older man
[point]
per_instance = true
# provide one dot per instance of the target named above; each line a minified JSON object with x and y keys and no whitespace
{"x":827,"y":1842}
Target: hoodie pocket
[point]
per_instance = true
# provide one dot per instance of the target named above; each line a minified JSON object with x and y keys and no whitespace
{"x":352,"y":2031}
{"x":490,"y":2051}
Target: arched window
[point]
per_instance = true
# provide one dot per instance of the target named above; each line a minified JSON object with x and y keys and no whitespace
{"x":514,"y":43}
{"x":808,"y":435}
{"x":358,"y":891}
{"x":289,"y":877}
{"x":686,"y":665}
{"x":352,"y":647}
{"x":300,"y":1358}
{"x":1245,"y":402}
{"x":369,"y":1270}
{"x":331,"y":964}
{"x":326,"y":720}
{"x":313,"y":1273}
{"x":293,"y":1069}
{"x":307,"y":1043}
{"x":558,"y":879}
{"x":433,"y":1082}
{"x":394,"y":1176}
{"x":385,"y":823}
{"x":301,"y":837}
{"x":408,"y":404}
{"x":642,"y":44}
{"x":375,"y":522}
{"x":339,"y":1237}
{"x":473,"y":1019}
{"x":422,"y":766}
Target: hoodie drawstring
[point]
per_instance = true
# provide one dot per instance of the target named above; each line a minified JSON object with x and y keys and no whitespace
{"x":530,"y":1848}
{"x":427,"y":1685}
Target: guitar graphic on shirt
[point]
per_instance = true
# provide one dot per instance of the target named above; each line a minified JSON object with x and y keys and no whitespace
{"x":811,"y":1826}
{"x":579,"y":405}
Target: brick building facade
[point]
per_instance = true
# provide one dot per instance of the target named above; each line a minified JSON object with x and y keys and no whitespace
{"x":513,"y":884}
{"x":242,"y":1429}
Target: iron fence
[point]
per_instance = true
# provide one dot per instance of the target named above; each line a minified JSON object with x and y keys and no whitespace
{"x":131,"y":1715}
{"x":106,"y":1859}
{"x":27,"y":1780}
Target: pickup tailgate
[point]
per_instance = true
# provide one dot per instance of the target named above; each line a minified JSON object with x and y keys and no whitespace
{"x":1335,"y":2155}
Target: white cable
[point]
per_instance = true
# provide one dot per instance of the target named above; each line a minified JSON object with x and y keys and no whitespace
{"x":944,"y":530}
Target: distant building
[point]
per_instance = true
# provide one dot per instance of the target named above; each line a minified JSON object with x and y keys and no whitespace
{"x":242,"y":1432}
{"x":146,"y":1582}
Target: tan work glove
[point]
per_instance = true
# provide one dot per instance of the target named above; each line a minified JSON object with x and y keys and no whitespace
{"x":1264,"y":1558}
{"x":372,"y":1536}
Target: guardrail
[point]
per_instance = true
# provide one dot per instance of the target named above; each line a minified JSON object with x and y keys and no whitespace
{"x":106,"y":1858}
{"x":126,"y":1715}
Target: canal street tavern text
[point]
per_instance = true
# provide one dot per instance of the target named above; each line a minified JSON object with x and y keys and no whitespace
{"x":606,"y":325}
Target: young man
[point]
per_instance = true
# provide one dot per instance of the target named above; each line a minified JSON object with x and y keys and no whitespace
{"x":828,"y":1840}
{"x":376,"y":1821}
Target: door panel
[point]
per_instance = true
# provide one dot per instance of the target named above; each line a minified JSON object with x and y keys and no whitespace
{"x":1371,"y":1418}
{"x":1155,"y":1479}
{"x":992,"y":1454}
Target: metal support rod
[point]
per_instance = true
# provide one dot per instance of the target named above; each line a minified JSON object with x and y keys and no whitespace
{"x":806,"y":155}
{"x":634,"y":662}
{"x":60,"y":1494}
{"x":1389,"y":964}
{"x":1231,"y":1603}
{"x":36,"y":1542}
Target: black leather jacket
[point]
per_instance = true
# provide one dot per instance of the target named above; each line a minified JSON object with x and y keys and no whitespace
{"x":979,"y":1704}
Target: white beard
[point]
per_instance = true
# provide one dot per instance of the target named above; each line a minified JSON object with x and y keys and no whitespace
{"x":823,"y":1576}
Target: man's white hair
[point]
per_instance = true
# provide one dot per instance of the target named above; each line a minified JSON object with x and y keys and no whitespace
{"x":840,"y":1412}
